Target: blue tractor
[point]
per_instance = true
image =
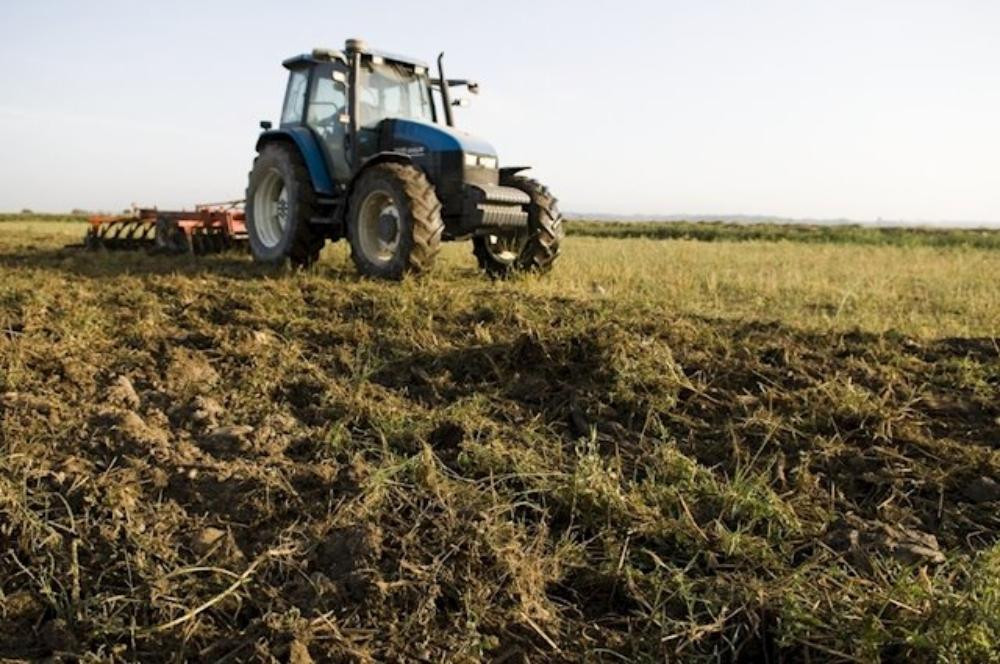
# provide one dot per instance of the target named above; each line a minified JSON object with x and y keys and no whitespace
{"x":367,"y":151}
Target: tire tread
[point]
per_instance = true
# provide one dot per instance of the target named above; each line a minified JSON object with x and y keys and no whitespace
{"x":545,"y":222}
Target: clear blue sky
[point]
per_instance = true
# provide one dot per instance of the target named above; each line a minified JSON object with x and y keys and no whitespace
{"x":803,"y":108}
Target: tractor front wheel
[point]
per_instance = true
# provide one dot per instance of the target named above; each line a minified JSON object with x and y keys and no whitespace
{"x":499,"y":255}
{"x":533,"y":249}
{"x":394,"y":223}
{"x":280,"y":205}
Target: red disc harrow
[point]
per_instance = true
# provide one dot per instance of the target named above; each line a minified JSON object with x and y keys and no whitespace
{"x":208,"y":229}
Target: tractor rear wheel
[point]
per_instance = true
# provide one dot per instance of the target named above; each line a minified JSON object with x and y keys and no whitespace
{"x":533,"y":249}
{"x":394,"y":222}
{"x":280,"y":203}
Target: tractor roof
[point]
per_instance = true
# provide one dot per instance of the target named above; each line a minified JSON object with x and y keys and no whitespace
{"x":327,"y":54}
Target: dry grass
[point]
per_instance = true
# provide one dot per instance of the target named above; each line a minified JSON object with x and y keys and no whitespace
{"x":666,"y":449}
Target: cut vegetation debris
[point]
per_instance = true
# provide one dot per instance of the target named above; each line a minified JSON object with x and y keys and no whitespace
{"x":663,"y":451}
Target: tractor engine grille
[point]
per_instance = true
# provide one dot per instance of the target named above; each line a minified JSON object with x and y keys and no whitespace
{"x":503,"y":216}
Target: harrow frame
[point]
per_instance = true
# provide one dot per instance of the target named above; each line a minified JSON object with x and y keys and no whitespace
{"x":209,"y":228}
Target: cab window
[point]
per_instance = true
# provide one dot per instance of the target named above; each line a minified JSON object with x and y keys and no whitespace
{"x":328,"y":101}
{"x":295,"y":97}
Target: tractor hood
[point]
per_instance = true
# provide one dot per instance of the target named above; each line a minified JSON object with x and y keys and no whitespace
{"x":410,"y":135}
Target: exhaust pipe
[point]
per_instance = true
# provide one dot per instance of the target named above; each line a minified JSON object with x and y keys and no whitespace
{"x":354,"y":48}
{"x":445,"y":92}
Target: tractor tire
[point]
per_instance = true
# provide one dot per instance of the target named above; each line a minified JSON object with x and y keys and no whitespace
{"x":545,"y":225}
{"x":394,"y":222}
{"x":280,"y":202}
{"x":534,"y":249}
{"x":499,"y":255}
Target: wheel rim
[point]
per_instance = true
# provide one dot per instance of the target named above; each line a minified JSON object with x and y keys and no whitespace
{"x":504,"y":248}
{"x":379,"y":227}
{"x":270,"y":209}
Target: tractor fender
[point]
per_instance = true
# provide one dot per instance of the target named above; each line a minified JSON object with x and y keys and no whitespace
{"x":380,"y":158}
{"x":511,"y":171}
{"x":310,"y":151}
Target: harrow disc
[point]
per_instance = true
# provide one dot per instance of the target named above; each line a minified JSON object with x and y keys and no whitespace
{"x":122,"y":235}
{"x":203,"y":241}
{"x":215,"y":240}
{"x":171,"y":238}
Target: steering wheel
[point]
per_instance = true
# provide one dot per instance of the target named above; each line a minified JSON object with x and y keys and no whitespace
{"x":330,"y":121}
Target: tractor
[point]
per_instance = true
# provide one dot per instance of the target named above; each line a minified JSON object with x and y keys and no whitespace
{"x":367,"y":150}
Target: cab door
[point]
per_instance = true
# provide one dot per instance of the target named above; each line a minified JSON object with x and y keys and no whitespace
{"x":295,"y":97}
{"x":327,"y":115}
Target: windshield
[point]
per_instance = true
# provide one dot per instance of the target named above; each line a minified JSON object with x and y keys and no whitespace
{"x":393,"y":91}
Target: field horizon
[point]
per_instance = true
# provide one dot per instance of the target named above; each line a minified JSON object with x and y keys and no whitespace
{"x":737,"y":219}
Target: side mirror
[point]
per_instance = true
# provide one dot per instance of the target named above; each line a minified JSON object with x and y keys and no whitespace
{"x":473,"y":87}
{"x":266,"y":125}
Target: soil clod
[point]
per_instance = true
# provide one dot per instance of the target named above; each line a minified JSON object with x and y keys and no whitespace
{"x":122,"y":393}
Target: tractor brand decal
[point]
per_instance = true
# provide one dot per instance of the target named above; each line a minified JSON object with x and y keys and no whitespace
{"x":414,"y":151}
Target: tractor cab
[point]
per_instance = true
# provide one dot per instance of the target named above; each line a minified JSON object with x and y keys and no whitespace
{"x":358,"y":115}
{"x":318,"y":97}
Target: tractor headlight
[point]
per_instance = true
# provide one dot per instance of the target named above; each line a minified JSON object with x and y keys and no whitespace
{"x":483,"y":161}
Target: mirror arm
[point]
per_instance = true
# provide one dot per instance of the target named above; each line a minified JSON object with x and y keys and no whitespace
{"x":473,"y":86}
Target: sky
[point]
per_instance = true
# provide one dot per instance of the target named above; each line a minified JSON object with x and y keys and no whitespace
{"x":796,"y":108}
